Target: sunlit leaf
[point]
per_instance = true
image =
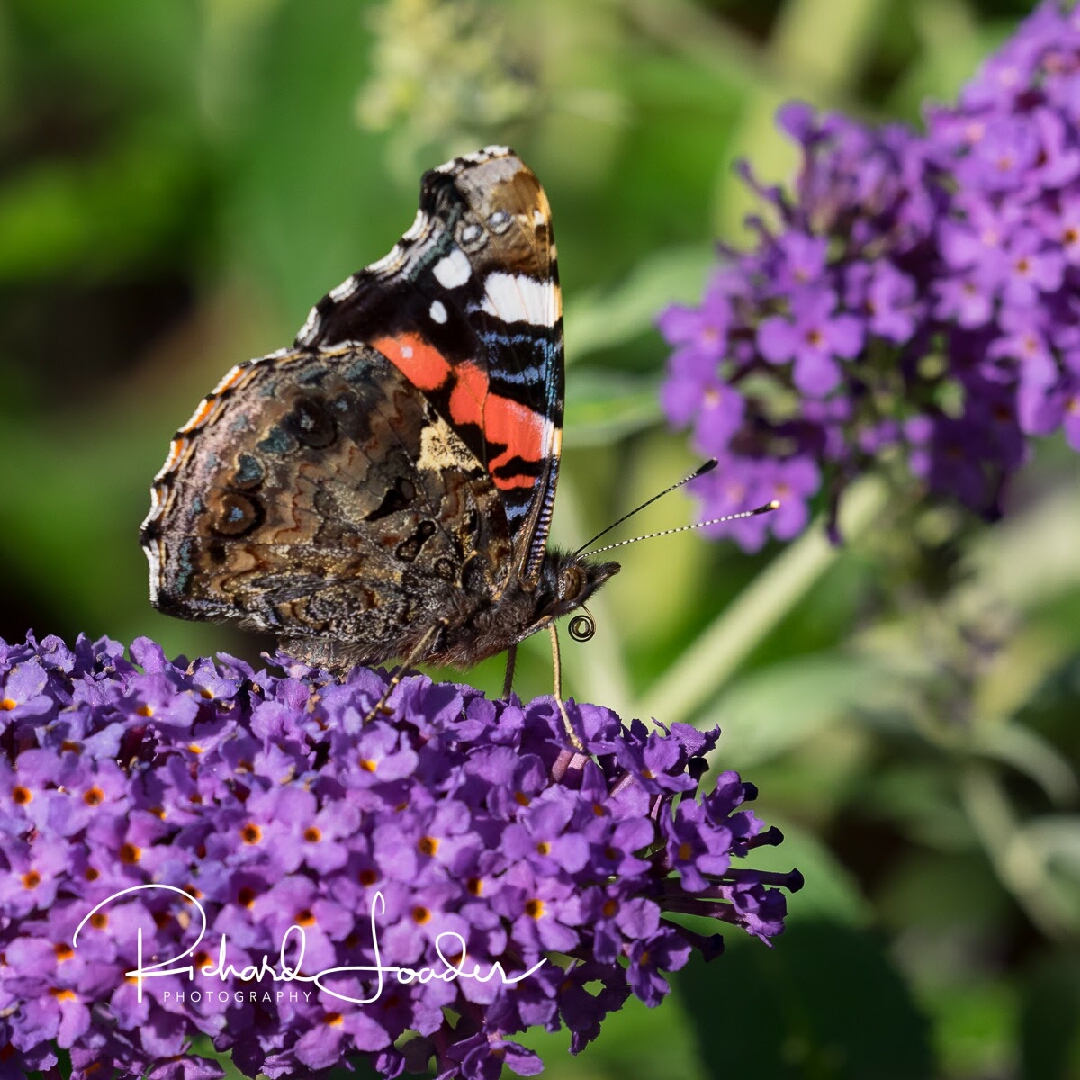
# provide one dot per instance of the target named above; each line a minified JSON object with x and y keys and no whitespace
{"x":1057,"y":839}
{"x":603,"y":319}
{"x":783,"y":705}
{"x":1030,"y":754}
{"x":603,"y":407}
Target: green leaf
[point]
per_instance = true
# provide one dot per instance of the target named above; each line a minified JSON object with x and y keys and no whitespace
{"x":830,"y":892}
{"x":1056,"y":838}
{"x":824,"y":1002}
{"x":776,"y":708}
{"x":1031,"y":754}
{"x":635,"y":1043}
{"x":602,"y":319}
{"x":1003,"y":554}
{"x":117,"y":213}
{"x":920,"y":801}
{"x":705,"y":666}
{"x":973,"y":1022}
{"x":603,"y":407}
{"x":304,"y":218}
{"x":1050,"y":1021}
{"x":953,"y":45}
{"x":41,"y":223}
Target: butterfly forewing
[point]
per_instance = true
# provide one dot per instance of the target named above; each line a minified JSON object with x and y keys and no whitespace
{"x":467,"y":306}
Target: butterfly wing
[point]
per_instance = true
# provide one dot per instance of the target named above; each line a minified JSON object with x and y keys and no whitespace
{"x":467,"y":306}
{"x":317,"y":494}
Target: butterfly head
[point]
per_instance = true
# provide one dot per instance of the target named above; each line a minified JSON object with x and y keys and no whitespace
{"x":567,"y":580}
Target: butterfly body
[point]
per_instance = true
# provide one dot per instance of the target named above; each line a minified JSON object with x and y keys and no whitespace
{"x":384,"y":488}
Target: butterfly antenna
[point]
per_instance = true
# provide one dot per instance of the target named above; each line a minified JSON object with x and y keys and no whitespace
{"x":700,"y":471}
{"x":774,"y":505}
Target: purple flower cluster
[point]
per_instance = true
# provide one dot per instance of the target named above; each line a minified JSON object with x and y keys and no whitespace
{"x":411,"y":855}
{"x":919,"y":303}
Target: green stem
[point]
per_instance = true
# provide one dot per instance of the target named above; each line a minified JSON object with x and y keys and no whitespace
{"x":699,"y":672}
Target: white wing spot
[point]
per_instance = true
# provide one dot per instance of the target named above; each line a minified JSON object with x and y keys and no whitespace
{"x":154,"y":558}
{"x":406,"y":351}
{"x":519,"y":298}
{"x":390,"y":262}
{"x":344,"y":290}
{"x":437,"y":311}
{"x":453,"y":270}
{"x":417,"y":228}
{"x":310,"y":328}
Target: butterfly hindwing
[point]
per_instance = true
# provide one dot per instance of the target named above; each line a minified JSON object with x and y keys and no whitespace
{"x":467,"y":306}
{"x":316,"y":494}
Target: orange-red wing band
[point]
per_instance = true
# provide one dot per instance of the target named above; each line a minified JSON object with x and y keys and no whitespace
{"x":418,"y":360}
{"x":503,"y":421}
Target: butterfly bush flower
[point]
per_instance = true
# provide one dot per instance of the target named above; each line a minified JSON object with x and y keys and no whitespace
{"x":441,"y":838}
{"x":915,"y":302}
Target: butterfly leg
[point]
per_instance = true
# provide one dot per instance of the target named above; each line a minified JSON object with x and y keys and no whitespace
{"x":556,"y":660}
{"x":417,"y":652}
{"x":511,"y":663}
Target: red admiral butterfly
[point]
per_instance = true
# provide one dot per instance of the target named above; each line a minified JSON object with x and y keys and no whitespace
{"x":384,"y":488}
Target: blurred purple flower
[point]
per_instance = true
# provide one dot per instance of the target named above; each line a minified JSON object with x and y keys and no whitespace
{"x":464,"y":829}
{"x":813,"y":338}
{"x":959,"y":246}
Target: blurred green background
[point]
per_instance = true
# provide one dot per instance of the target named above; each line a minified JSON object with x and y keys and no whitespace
{"x":180,"y":181}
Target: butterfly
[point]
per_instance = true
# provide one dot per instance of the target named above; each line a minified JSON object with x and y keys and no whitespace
{"x":383,"y":489}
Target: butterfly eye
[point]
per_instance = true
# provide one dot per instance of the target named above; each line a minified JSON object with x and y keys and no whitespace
{"x":571,"y":583}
